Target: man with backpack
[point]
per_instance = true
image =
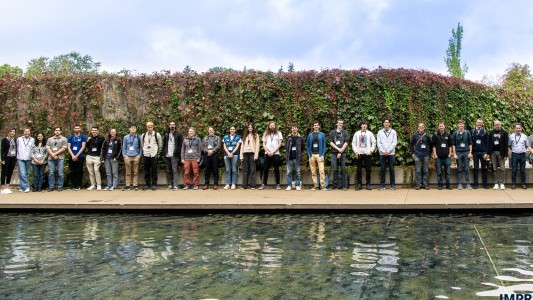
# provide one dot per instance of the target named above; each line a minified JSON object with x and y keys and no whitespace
{"x":151,"y":146}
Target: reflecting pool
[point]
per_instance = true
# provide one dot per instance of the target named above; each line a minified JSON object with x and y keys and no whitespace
{"x":265,"y":256}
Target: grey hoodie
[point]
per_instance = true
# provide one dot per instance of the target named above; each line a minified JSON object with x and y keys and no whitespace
{"x":191,"y":148}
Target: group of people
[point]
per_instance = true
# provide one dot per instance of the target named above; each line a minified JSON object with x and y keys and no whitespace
{"x":478,"y":144}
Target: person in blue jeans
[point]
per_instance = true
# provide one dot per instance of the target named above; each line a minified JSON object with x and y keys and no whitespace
{"x":462,"y":149}
{"x":24,"y":144}
{"x":442,"y":152}
{"x":386,"y":142}
{"x":420,"y":146}
{"x":231,"y":145}
{"x":56,"y":147}
{"x":294,"y":147}
{"x":518,"y":145}
{"x":39,"y":158}
{"x":338,"y":140}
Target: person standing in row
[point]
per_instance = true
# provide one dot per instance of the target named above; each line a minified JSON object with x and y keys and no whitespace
{"x":232,"y":142}
{"x":294,"y":146}
{"x":191,"y":152}
{"x":462,"y":149}
{"x":249,"y":156}
{"x":76,"y":148}
{"x":272,"y":139}
{"x":94,"y":151}
{"x":56,"y":147}
{"x":172,"y":141}
{"x":111,"y":153}
{"x":386,"y":142}
{"x":24,"y":144}
{"x":211,"y":146}
{"x":363,"y":145}
{"x":442,"y":153}
{"x":498,"y":152}
{"x":338,"y":140}
{"x":480,"y":140}
{"x":39,"y":157}
{"x":9,"y":160}
{"x":151,"y":147}
{"x":518,"y":145}
{"x":316,"y":150}
{"x":132,"y":150}
{"x":421,"y":148}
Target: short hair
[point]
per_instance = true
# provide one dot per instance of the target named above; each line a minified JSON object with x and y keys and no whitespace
{"x":77,"y":125}
{"x":340,"y":120}
{"x":479,"y":119}
{"x":441,"y":122}
{"x":192,"y":128}
{"x":56,"y":128}
{"x":421,"y":123}
{"x":133,"y":125}
{"x":95,"y":127}
{"x":363,"y":122}
{"x":210,"y":127}
{"x":149,"y":124}
{"x":316,"y":122}
{"x":460,"y":121}
{"x":294,"y":125}
{"x":517,"y":123}
{"x":387,"y":119}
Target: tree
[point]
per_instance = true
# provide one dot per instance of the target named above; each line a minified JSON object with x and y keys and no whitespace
{"x":10,"y":70}
{"x":518,"y":78}
{"x":64,"y":64}
{"x":453,"y":54}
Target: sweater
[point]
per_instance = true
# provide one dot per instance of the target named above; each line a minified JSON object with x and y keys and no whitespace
{"x":363,"y":142}
{"x":387,"y":142}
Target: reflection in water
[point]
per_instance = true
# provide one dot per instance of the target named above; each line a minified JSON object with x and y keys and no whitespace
{"x":261,"y":256}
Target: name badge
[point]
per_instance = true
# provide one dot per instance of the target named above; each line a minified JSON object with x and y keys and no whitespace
{"x":130,"y":148}
{"x":74,"y":148}
{"x":463,"y":145}
{"x":315,"y":145}
{"x":189,"y":151}
{"x":293,"y":148}
{"x":338,"y":142}
{"x":363,"y":145}
{"x":209,"y":147}
{"x":248,"y":148}
{"x":94,"y":149}
{"x":54,"y":149}
{"x":110,"y":151}
{"x":443,"y":145}
{"x":13,"y":152}
{"x":230,"y":148}
{"x":423,"y":146}
{"x":496,"y":142}
{"x":478,"y":141}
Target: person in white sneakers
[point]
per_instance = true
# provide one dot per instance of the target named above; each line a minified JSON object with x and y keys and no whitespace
{"x":363,"y":145}
{"x":56,"y":147}
{"x":24,"y":144}
{"x":231,"y":145}
{"x":294,"y":148}
{"x":498,"y":153}
{"x":94,"y":150}
{"x":9,"y":160}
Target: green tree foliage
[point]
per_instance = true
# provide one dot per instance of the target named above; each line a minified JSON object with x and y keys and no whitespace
{"x":453,"y":54}
{"x":63,"y":64}
{"x":518,"y":78}
{"x":6,"y":69}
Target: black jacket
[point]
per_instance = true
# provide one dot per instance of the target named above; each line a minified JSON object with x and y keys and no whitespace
{"x":5,"y":148}
{"x":503,"y":143}
{"x":116,"y":148}
{"x":96,"y":143}
{"x":300,"y":148}
{"x":178,"y":140}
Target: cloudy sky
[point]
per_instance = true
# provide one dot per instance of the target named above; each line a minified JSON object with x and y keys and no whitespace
{"x":149,"y":36}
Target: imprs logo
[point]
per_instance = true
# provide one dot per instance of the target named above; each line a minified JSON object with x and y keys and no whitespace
{"x":516,"y":296}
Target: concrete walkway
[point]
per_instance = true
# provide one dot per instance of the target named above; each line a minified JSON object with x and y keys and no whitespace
{"x":401,"y":199}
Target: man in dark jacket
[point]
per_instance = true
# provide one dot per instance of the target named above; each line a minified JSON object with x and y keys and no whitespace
{"x":480,"y":140}
{"x":421,"y":148}
{"x":498,"y":151}
{"x":294,"y":147}
{"x":338,"y":140}
{"x":442,"y":152}
{"x":171,"y":153}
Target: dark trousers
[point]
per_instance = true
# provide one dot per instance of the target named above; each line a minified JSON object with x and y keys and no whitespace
{"x":339,"y":171}
{"x":211,"y":166}
{"x":384,"y":161}
{"x":269,"y":161}
{"x":518,"y":161}
{"x":7,"y":170}
{"x":76,"y":171}
{"x":38,"y":176}
{"x":248,"y":170}
{"x":150,"y":170}
{"x":441,"y":162}
{"x":364,"y":161}
{"x":478,"y":157}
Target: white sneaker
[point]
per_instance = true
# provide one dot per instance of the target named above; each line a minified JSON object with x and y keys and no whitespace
{"x":99,"y":188}
{"x":226,"y":187}
{"x":298,"y":188}
{"x":502,"y":186}
{"x":496,"y":187}
{"x":288,"y":188}
{"x":7,"y":192}
{"x":90,"y":188}
{"x":232,"y":186}
{"x":2,"y":192}
{"x":26,"y":190}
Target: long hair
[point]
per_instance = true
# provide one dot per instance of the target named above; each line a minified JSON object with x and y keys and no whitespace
{"x":108,"y":137}
{"x":246,"y":132}
{"x":268,"y":126}
{"x":37,"y":142}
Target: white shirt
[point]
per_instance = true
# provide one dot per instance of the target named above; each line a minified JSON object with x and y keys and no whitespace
{"x":272,"y":141}
{"x":363,"y":142}
{"x":24,"y":147}
{"x":518,"y":143}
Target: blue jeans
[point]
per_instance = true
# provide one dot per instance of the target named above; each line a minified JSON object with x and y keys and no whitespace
{"x":292,"y":165}
{"x":38,"y":176}
{"x":518,"y":160}
{"x":111,"y":170}
{"x":385,"y":160}
{"x":462,"y":167}
{"x":339,"y":181}
{"x":24,"y":173}
{"x":478,"y":158}
{"x":446,"y":162}
{"x":53,"y":166}
{"x":231,"y":169}
{"x":421,"y":167}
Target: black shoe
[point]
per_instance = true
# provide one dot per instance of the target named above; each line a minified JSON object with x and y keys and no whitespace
{"x":39,"y":190}
{"x":154,"y":188}
{"x":524,"y":187}
{"x":513,"y":187}
{"x":368,"y":187}
{"x":126,"y":188}
{"x":486,"y":187}
{"x":449,"y":187}
{"x":359,"y":187}
{"x":426,"y":187}
{"x":417,"y":188}
{"x":475,"y":187}
{"x":135,"y":188}
{"x":146,"y":188}
{"x":59,"y":189}
{"x":440,"y":187}
{"x":50,"y":189}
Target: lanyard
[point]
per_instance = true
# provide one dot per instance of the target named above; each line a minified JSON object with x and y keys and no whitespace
{"x":271,"y":137}
{"x":132,"y":138}
{"x":387,"y":132}
{"x":26,"y":143}
{"x":12,"y":143}
{"x":517,"y":141}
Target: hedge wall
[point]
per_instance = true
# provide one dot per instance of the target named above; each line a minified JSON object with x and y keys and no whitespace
{"x":225,"y":98}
